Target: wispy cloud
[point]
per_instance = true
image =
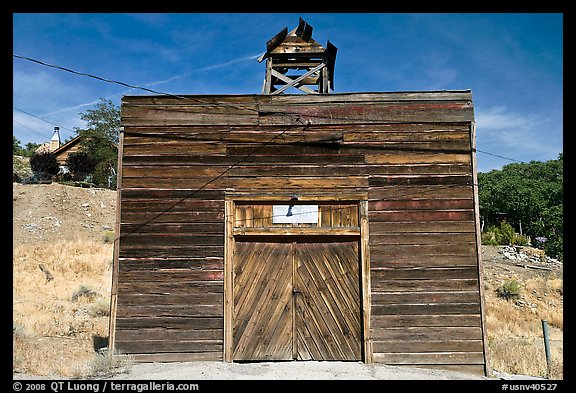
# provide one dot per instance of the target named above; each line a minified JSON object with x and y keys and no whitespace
{"x":517,"y":135}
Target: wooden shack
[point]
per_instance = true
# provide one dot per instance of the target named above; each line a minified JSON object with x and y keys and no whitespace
{"x":299,"y":227}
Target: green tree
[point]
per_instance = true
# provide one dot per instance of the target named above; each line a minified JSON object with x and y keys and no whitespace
{"x":16,"y":148}
{"x":44,"y":165}
{"x":80,"y":165}
{"x":100,"y":139}
{"x":529,"y":195}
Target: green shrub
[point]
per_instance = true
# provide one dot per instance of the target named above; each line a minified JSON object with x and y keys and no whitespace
{"x":502,"y":236}
{"x":510,"y":289}
{"x":109,"y":237}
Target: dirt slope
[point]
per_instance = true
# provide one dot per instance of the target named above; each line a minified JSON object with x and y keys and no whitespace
{"x":47,"y":212}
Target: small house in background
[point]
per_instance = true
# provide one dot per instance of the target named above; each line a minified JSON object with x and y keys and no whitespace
{"x":299,"y":227}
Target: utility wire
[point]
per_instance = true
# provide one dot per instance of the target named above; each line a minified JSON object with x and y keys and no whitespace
{"x":294,"y":115}
{"x":39,"y":118}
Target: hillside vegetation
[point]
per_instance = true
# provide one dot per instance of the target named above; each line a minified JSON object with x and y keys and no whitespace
{"x":62,"y":259}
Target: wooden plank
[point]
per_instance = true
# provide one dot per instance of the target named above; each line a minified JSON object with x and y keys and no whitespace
{"x":447,"y":297}
{"x":478,"y":247}
{"x":116,"y":252}
{"x":430,"y":320}
{"x":430,"y":308}
{"x":452,"y":180}
{"x":171,"y":252}
{"x":165,"y":299}
{"x":151,"y":346}
{"x":423,"y":238}
{"x":229,"y":246}
{"x":416,"y":261}
{"x":409,"y":346}
{"x":417,"y":158}
{"x":409,"y":192}
{"x":175,"y":357}
{"x":424,"y":227}
{"x":423,"y":249}
{"x":423,"y":285}
{"x":171,"y":310}
{"x":430,"y":358}
{"x":297,"y":231}
{"x":428,"y":333}
{"x":169,"y":334}
{"x":365,"y":282}
{"x":170,"y":322}
{"x":422,"y":204}
{"x":422,"y":215}
{"x":369,"y":112}
{"x":447,"y":272}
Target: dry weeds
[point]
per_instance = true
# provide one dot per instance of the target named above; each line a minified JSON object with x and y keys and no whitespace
{"x":54,"y":331}
{"x":514,"y":328}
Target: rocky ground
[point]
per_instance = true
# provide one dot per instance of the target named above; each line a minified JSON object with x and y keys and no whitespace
{"x":49,"y":212}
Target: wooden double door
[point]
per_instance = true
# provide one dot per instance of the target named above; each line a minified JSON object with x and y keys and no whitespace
{"x":297,"y":300}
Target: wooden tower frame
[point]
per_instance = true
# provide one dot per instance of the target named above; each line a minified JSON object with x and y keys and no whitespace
{"x":297,"y":51}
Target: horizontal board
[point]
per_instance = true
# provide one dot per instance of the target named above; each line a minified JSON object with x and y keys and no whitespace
{"x":148,"y":194}
{"x":423,"y":285}
{"x":378,"y":181}
{"x":176,"y":357}
{"x":379,"y":322}
{"x":190,"y":288}
{"x":425,"y":273}
{"x":146,"y":218}
{"x":178,"y":147}
{"x":422,"y":215}
{"x":421,"y":204}
{"x":418,"y":169}
{"x":248,"y":183}
{"x":143,"y":251}
{"x":190,"y":111}
{"x":393,"y":250}
{"x":447,"y":297}
{"x":410,"y":134}
{"x":423,"y":238}
{"x":369,"y":112}
{"x":149,"y":346}
{"x":409,"y":261}
{"x":409,"y":346}
{"x":176,"y":275}
{"x":425,"y":309}
{"x":411,"y":192}
{"x":175,"y":299}
{"x":399,"y":157}
{"x":412,"y":227}
{"x":189,"y":323}
{"x":427,"y":333}
{"x":172,"y":239}
{"x":206,"y":228}
{"x":214,"y":263}
{"x":194,"y":310}
{"x":429,"y":358}
{"x":169,"y":334}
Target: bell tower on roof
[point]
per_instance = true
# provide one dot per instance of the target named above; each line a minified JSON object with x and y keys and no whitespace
{"x":295,"y":60}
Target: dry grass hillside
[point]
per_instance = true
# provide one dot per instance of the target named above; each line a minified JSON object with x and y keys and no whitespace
{"x":62,"y":259}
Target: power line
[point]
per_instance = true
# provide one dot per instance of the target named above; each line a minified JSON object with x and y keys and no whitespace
{"x":39,"y":118}
{"x":30,"y":129}
{"x":496,"y":155}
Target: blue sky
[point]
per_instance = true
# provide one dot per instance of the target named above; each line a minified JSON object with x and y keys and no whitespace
{"x":512,"y":62}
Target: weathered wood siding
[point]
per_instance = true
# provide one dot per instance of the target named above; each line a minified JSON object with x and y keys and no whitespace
{"x":410,"y":152}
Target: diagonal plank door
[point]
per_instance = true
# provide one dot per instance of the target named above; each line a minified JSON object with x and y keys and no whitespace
{"x":263,"y":317}
{"x":327,"y":301}
{"x":296,"y":301}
